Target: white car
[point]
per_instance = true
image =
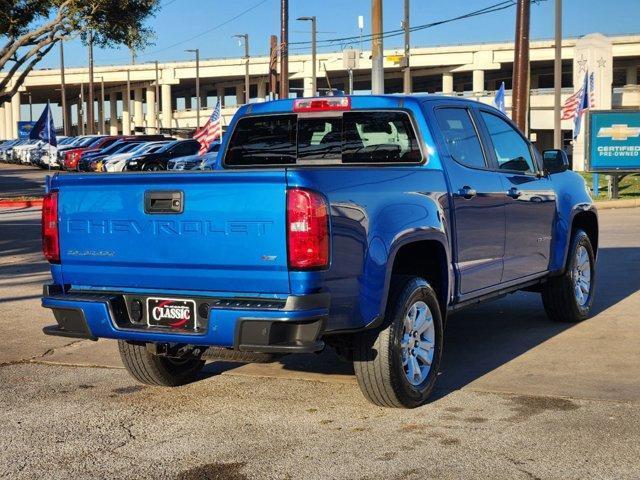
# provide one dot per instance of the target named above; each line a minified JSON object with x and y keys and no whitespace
{"x":116,"y":162}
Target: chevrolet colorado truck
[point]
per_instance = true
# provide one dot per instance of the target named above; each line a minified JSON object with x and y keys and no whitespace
{"x":355,"y":222}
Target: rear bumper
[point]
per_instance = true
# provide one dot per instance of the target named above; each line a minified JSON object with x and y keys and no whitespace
{"x":287,"y":325}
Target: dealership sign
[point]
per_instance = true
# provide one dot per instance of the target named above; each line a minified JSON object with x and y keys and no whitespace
{"x":24,"y":129}
{"x":614,"y":140}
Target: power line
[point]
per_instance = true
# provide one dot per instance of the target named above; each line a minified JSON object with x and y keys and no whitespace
{"x":496,"y":7}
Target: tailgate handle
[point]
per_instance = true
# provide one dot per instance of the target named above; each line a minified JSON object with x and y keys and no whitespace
{"x":163,"y":201}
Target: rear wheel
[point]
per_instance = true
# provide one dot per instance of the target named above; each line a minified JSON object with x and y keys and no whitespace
{"x":154,"y":167}
{"x":569,"y":297}
{"x":158,"y":370}
{"x":397,"y":366}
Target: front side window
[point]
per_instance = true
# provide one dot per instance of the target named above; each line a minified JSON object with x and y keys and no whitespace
{"x":351,"y":137}
{"x":512,"y":151}
{"x":460,"y":136}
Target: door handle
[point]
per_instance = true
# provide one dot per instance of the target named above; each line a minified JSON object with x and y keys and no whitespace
{"x":467,"y":192}
{"x":162,"y":201}
{"x":514,"y":193}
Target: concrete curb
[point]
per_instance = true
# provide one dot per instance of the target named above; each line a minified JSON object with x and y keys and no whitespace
{"x":9,"y":203}
{"x":607,"y":204}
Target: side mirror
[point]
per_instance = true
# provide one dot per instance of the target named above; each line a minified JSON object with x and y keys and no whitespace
{"x":555,"y":161}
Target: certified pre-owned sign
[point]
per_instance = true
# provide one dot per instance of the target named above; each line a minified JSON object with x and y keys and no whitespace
{"x":614,"y":141}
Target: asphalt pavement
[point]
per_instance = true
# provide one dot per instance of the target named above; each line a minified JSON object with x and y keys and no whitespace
{"x":22,"y":180}
{"x":518,"y":396}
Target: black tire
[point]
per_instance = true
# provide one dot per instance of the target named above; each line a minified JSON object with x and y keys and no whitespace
{"x":158,"y":370}
{"x":378,"y":357}
{"x":229,"y":355}
{"x":558,"y":293}
{"x":153,"y":167}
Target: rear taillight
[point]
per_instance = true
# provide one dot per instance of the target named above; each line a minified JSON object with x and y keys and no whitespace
{"x":50,"y":237}
{"x":307,"y":230}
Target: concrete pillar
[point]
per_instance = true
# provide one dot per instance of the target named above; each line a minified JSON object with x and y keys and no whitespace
{"x":308,"y":87}
{"x":167,"y":112}
{"x":151,"y":109}
{"x":101,"y":123}
{"x":187,"y":102}
{"x":447,"y":83}
{"x":126,"y":115}
{"x":15,"y":113}
{"x":203,"y":97}
{"x":113,"y":113}
{"x":8,"y":120}
{"x":262,"y":88}
{"x":80,"y":121}
{"x":240,"y":94}
{"x":478,"y":82}
{"x":632,"y":75}
{"x":138,"y":113}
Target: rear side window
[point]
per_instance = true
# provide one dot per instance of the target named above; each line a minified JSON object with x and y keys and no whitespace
{"x":460,"y":136}
{"x":352,"y":137}
{"x":512,"y":151}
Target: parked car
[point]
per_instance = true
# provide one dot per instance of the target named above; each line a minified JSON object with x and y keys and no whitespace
{"x":158,"y":160}
{"x":361,"y":227}
{"x":117,"y":162}
{"x":88,"y":158}
{"x":191,"y":162}
{"x":71,"y":154}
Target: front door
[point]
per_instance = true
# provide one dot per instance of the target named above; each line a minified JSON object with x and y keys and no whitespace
{"x":530,"y":200}
{"x":478,"y":202}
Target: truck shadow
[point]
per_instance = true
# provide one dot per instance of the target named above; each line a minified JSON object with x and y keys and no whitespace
{"x":480,"y":339}
{"x":16,"y":181}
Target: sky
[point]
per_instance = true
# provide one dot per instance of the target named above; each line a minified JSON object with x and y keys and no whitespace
{"x":211,"y":24}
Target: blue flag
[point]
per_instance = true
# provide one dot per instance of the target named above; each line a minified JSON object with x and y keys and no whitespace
{"x":44,"y":129}
{"x":582,"y":106}
{"x":499,"y":99}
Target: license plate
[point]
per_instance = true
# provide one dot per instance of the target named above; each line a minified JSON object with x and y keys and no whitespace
{"x":173,"y":313}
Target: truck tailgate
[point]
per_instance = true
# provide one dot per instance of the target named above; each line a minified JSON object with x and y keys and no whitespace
{"x":229,"y":237}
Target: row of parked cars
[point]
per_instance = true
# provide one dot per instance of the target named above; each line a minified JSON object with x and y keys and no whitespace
{"x":110,"y":153}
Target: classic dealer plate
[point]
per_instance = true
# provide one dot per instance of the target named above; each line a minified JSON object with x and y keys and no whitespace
{"x":173,"y":313}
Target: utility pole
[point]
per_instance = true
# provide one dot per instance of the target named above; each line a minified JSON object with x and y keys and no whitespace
{"x":244,"y":38}
{"x":90,"y":92}
{"x":407,"y":49}
{"x":273,"y":67}
{"x":101,"y":109}
{"x":63,"y":93}
{"x":157,"y":105}
{"x":377,"y":50}
{"x":80,"y":110}
{"x":521,"y":66}
{"x":314,"y":61}
{"x":284,"y":48}
{"x":198,"y":106}
{"x":557,"y":80}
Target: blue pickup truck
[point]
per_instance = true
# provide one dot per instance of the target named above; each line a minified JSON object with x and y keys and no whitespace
{"x":355,"y":222}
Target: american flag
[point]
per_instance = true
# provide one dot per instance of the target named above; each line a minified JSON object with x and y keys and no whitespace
{"x":570,"y":108}
{"x":211,"y":131}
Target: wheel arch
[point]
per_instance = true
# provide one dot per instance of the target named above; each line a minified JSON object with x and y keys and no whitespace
{"x":424,"y":254}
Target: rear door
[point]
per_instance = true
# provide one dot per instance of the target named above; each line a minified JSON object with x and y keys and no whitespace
{"x":478,"y":201}
{"x":530,"y":199}
{"x":225,"y":234}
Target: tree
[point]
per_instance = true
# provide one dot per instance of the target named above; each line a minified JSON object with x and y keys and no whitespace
{"x":31,"y":29}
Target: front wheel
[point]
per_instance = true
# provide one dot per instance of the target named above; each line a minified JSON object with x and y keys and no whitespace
{"x":569,"y":297}
{"x":397,"y":366}
{"x":158,"y":370}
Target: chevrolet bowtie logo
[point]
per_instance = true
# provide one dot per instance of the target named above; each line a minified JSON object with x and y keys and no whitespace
{"x":619,"y":132}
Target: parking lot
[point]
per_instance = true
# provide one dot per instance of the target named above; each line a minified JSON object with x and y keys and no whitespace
{"x":518,"y":396}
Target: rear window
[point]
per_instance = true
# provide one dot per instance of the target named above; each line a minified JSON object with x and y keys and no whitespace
{"x":351,"y":138}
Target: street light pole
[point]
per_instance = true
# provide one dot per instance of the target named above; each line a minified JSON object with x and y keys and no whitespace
{"x":30,"y":108}
{"x":244,"y":38}
{"x":557,"y":80}
{"x":90,"y":92}
{"x":63,"y":93}
{"x":314,"y":53}
{"x":407,"y":49}
{"x":157,"y":105}
{"x":197,"y":52}
{"x":101,"y":107}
